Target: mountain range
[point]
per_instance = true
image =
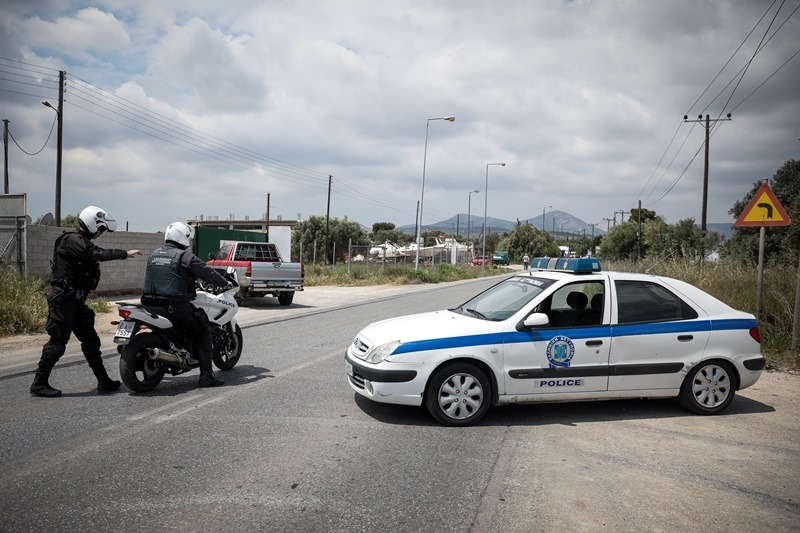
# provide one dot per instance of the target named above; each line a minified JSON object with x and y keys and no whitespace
{"x":559,"y":223}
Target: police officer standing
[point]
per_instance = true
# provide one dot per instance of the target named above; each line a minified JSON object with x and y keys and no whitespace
{"x":76,"y":272}
{"x":169,"y":282}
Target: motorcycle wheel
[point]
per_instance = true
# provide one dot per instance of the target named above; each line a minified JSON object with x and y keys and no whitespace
{"x":136,"y":369}
{"x":227,"y":348}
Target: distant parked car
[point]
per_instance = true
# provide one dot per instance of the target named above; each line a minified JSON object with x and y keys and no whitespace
{"x":500,"y":258}
{"x":482,"y":260}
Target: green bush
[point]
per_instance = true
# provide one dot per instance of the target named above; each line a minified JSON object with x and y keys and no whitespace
{"x":23,"y":306}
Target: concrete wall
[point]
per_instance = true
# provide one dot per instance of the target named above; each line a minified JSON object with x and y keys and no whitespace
{"x":118,"y":276}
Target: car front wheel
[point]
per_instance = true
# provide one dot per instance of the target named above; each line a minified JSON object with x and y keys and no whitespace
{"x":458,"y":394}
{"x":709,"y":388}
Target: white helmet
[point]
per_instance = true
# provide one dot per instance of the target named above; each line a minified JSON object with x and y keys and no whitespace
{"x":94,"y":218}
{"x":179,"y":233}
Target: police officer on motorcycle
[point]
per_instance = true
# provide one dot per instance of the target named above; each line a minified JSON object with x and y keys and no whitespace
{"x":76,"y":272}
{"x":169,"y":283}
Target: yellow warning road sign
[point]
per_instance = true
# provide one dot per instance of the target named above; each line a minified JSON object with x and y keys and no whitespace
{"x":764,"y":209}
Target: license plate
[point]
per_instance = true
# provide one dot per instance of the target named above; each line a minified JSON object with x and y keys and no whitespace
{"x":348,"y":368}
{"x":124,"y":330}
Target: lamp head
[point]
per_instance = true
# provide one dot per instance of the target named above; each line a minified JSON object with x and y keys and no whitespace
{"x":450,"y":119}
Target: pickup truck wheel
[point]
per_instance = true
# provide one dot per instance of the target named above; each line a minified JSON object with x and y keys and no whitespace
{"x":285,"y":298}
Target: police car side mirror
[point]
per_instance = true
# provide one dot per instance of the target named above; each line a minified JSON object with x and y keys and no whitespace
{"x":533,"y":320}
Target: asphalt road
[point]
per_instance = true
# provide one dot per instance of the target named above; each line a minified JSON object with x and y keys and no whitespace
{"x":286,"y":445}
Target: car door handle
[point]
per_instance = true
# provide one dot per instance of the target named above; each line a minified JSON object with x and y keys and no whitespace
{"x":594,"y":343}
{"x":685,"y":338}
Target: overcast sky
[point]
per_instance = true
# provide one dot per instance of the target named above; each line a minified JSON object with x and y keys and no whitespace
{"x":181,"y":108}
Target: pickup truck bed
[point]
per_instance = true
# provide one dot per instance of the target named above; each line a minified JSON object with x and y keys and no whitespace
{"x":260,"y":269}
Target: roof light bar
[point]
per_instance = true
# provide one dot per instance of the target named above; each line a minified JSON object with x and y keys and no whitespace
{"x":567,"y":264}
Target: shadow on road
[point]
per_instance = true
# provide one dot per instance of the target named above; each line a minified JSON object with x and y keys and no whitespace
{"x":183,"y":383}
{"x":571,"y":413}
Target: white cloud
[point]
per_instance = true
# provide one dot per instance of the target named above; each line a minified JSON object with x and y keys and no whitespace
{"x":89,"y":31}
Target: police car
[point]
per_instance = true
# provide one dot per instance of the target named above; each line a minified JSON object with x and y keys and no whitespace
{"x":565,"y":330}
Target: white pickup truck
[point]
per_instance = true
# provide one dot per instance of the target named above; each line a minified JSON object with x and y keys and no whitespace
{"x":260,"y":269}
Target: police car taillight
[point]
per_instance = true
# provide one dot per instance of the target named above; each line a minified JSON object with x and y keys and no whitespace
{"x":124,"y":313}
{"x":755,"y":334}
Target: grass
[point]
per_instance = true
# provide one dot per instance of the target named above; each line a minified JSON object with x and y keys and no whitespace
{"x":365,"y":274}
{"x":23,"y":307}
{"x":23,"y":303}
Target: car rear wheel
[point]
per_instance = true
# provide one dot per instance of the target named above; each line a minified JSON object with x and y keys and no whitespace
{"x":709,"y":388}
{"x":458,"y":394}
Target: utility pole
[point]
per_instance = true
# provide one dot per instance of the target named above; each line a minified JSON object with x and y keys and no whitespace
{"x":266,"y":215}
{"x":591,"y":246}
{"x":707,"y":125}
{"x":328,"y":217}
{"x":639,"y":234}
{"x":621,"y":215}
{"x":5,"y":155}
{"x":59,"y":143}
{"x":608,"y":226}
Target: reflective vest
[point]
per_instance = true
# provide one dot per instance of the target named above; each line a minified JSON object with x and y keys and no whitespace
{"x":165,"y":278}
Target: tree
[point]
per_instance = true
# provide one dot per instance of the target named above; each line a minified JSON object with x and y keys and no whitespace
{"x":621,"y":241}
{"x":311,"y":232}
{"x":385,"y":231}
{"x":526,"y":239}
{"x":782,"y":244}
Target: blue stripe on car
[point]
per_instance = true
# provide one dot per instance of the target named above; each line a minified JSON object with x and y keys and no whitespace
{"x":625,"y":330}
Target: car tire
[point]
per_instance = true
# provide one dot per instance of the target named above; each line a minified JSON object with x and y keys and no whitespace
{"x":708,"y":388}
{"x":285,"y":298}
{"x":458,"y":394}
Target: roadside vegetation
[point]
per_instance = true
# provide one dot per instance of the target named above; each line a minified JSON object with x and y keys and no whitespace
{"x":359,"y":275}
{"x":23,"y":303}
{"x":23,"y":307}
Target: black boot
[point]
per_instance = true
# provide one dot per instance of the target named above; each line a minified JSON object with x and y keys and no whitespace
{"x":207,"y":378}
{"x":40,"y":385}
{"x":104,"y":383}
{"x":42,"y":388}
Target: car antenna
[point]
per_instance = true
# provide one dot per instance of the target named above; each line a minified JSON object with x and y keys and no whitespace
{"x":659,"y":261}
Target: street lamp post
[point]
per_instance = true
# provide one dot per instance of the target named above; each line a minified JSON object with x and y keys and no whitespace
{"x":469,"y":217}
{"x":485,"y":208}
{"x":422,"y":196}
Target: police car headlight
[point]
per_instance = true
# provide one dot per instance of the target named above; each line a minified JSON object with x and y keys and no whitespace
{"x":379,"y":353}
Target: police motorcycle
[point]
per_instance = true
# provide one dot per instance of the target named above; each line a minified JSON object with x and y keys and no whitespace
{"x":150,"y":346}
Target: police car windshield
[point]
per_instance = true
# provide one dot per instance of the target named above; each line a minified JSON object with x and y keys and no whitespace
{"x":504,"y":299}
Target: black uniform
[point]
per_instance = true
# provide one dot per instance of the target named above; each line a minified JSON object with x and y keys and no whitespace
{"x":169,"y":283}
{"x":76,"y":272}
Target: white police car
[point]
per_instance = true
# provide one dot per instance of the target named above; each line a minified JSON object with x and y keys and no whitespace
{"x":564,"y":330}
